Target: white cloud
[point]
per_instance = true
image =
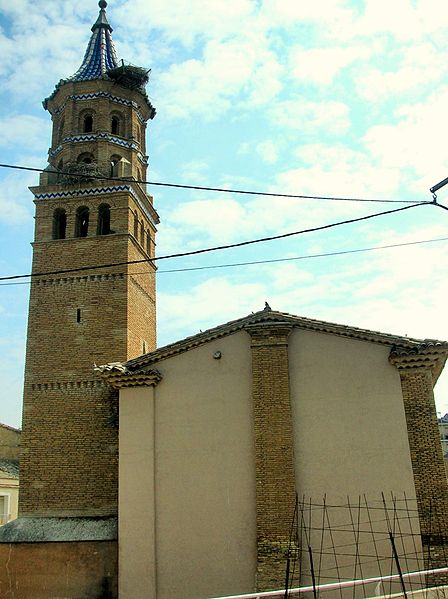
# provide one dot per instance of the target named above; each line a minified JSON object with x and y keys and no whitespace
{"x":184,"y":20}
{"x":339,"y":171}
{"x":286,"y":14}
{"x":228,"y":68}
{"x":417,"y":141}
{"x":419,"y":66}
{"x":194,"y":171}
{"x":207,"y":304}
{"x":27,"y":132}
{"x":322,"y":65}
{"x":403,"y":19}
{"x":300,"y":114}
{"x":15,"y":199}
{"x":218,"y":221}
{"x":268,"y":151}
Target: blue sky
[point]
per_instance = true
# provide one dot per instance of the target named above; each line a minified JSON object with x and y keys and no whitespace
{"x":330,"y":97}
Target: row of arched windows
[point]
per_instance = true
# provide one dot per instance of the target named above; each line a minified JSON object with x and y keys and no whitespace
{"x":144,"y":237}
{"x":89,"y":158}
{"x":81,"y":222}
{"x":87,"y":125}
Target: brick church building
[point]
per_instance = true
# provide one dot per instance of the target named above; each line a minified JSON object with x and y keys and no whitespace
{"x":173,"y":472}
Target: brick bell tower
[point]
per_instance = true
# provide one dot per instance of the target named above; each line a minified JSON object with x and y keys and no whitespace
{"x":92,"y":212}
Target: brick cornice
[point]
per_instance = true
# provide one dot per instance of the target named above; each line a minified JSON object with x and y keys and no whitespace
{"x":419,"y":358}
{"x":269,"y":333}
{"x":119,"y":377}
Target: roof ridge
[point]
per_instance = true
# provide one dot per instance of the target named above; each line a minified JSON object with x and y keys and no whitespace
{"x":11,"y":428}
{"x":266,"y":316}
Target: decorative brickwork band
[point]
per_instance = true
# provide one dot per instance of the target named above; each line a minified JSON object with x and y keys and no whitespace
{"x":417,"y":372}
{"x":274,"y":454}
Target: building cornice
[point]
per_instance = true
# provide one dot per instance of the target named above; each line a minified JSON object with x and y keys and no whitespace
{"x":426,"y":356}
{"x":100,"y":136}
{"x":118,"y":376}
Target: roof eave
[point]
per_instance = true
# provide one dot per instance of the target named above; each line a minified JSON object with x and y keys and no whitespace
{"x":264,"y":318}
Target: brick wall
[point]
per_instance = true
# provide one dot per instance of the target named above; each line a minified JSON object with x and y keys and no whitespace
{"x":274,"y":454}
{"x":74,"y":100}
{"x":76,"y":320}
{"x":430,"y":479}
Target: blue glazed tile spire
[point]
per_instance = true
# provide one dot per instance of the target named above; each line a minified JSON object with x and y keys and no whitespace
{"x":100,"y":55}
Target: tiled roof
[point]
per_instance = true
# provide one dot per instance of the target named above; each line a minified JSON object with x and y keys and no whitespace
{"x":10,"y":428}
{"x":100,"y":55}
{"x":40,"y":530}
{"x":266,"y":316}
{"x":10,"y":467}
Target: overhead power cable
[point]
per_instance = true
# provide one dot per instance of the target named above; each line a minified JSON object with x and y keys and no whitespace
{"x":296,"y":258}
{"x":275,"y":260}
{"x":219,"y":247}
{"x":214,"y":189}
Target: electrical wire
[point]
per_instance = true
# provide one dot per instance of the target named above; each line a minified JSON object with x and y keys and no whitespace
{"x":204,"y":188}
{"x":220,"y":247}
{"x":274,"y":260}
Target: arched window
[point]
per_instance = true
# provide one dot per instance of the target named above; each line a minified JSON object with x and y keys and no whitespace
{"x":148,"y":242}
{"x":82,"y":221}
{"x":103,"y":226}
{"x":86,"y":158}
{"x":59,"y":223}
{"x":88,"y":123}
{"x":136,"y":225}
{"x":142,"y":234}
{"x":115,"y":125}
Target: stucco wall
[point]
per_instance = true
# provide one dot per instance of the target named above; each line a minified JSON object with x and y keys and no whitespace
{"x":9,"y":442}
{"x":351,"y":445}
{"x":348,"y":417}
{"x":187,"y":464}
{"x":9,"y":487}
{"x":203,"y":472}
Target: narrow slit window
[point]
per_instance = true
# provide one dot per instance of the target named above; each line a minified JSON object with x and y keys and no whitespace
{"x":78,"y":315}
{"x":136,"y":225}
{"x":148,"y":242}
{"x":82,"y":221}
{"x":61,"y":130}
{"x":59,"y":223}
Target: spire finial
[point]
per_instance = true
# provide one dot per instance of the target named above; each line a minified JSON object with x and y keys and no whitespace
{"x":102,"y":19}
{"x":100,"y":55}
